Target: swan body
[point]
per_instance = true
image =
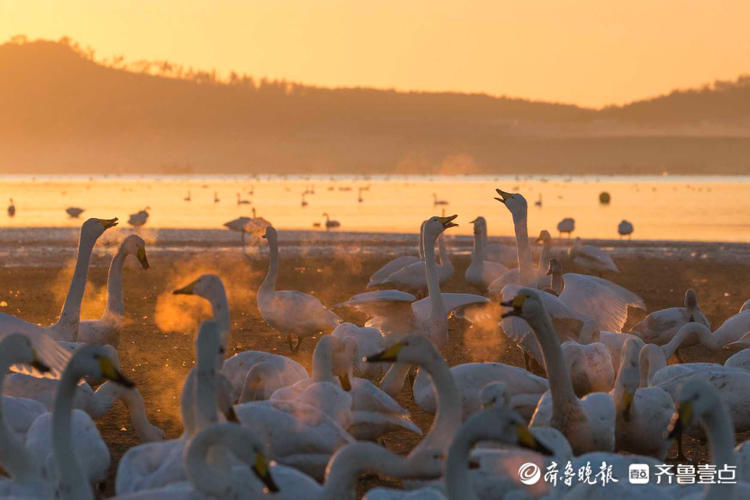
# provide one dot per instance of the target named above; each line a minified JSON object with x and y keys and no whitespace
{"x":660,"y":326}
{"x":588,"y":423}
{"x":368,"y":341}
{"x":537,"y":276}
{"x":139,"y":218}
{"x":289,"y":311}
{"x":615,"y":343}
{"x":496,"y":252}
{"x":590,"y":366}
{"x":625,"y":228}
{"x":523,"y":388}
{"x":567,"y":225}
{"x":391,"y":267}
{"x":106,"y":330}
{"x":591,"y":258}
{"x":237,"y":370}
{"x":412,"y":277}
{"x":74,"y":212}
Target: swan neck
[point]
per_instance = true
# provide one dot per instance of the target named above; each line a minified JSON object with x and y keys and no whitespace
{"x":525,"y":265}
{"x":561,"y":388}
{"x":346,"y":466}
{"x":545,"y":256}
{"x":445,"y":259}
{"x":449,"y":406}
{"x":212,"y":478}
{"x":457,"y":476}
{"x":269,"y":283}
{"x":137,"y":409}
{"x":220,"y":311}
{"x":115,"y":302}
{"x":438,"y":313}
{"x":322,"y":365}
{"x":13,"y":456}
{"x":71,"y":310}
{"x":72,"y":482}
{"x":103,"y":399}
{"x":651,"y":361}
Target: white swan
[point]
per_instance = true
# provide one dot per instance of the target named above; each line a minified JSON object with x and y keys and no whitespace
{"x":76,"y":458}
{"x":524,"y":388}
{"x":591,"y":258}
{"x":419,"y":350}
{"x":211,"y":478}
{"x":733,"y":332}
{"x":497,"y":252}
{"x":605,"y":302}
{"x":539,"y":275}
{"x":615,"y":342}
{"x":590,"y":366}
{"x":153,"y":465}
{"x":588,"y":423}
{"x":482,"y":272}
{"x":368,"y":341}
{"x":643,"y":414}
{"x":106,"y":330}
{"x":66,"y":327}
{"x":394,"y":265}
{"x":289,"y":311}
{"x":660,"y":326}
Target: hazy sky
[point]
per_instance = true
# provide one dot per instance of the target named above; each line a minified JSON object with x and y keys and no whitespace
{"x":589,"y":52}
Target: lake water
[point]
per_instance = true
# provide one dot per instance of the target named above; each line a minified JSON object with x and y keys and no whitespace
{"x":661,"y":208}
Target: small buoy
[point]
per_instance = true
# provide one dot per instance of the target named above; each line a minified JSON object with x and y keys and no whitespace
{"x":604,"y":198}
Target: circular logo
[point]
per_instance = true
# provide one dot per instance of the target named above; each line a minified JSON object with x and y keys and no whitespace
{"x":529,"y":473}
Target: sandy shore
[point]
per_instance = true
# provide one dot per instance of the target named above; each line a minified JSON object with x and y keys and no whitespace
{"x":157,"y":345}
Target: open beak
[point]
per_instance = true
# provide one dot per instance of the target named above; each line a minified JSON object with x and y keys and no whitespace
{"x":263,"y":471}
{"x":185,"y":290}
{"x":680,"y":420}
{"x":388,"y":355}
{"x":516,"y":304}
{"x":141,"y":256}
{"x":107,"y":223}
{"x":448,"y":221}
{"x":346,"y":384}
{"x":111,"y":373}
{"x":37,"y":363}
{"x":527,"y":440}
{"x":504,"y":196}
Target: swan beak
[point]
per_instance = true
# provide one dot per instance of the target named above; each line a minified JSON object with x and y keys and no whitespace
{"x":346,"y":384}
{"x":474,"y":221}
{"x":263,"y":471}
{"x":627,"y":400}
{"x":390,"y":354}
{"x":185,"y":290}
{"x":107,"y":223}
{"x":503,"y":194}
{"x":37,"y":363}
{"x":111,"y":373}
{"x":691,"y":319}
{"x":448,"y":221}
{"x":681,"y":419}
{"x":527,"y":440}
{"x":141,"y":256}
{"x":231,"y":415}
{"x":516,"y":304}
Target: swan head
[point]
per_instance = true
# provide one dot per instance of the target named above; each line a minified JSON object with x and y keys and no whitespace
{"x":134,"y":245}
{"x":270,"y":234}
{"x":410,"y":349}
{"x":479,"y":225}
{"x":494,"y":394}
{"x":555,"y":268}
{"x":207,"y":286}
{"x":434,"y":226}
{"x":94,"y":361}
{"x":501,"y":424}
{"x":93,"y":228}
{"x":544,"y":236}
{"x":526,"y":304}
{"x":426,"y":464}
{"x":17,"y":347}
{"x":629,"y":377}
{"x":695,"y":399}
{"x":691,"y":302}
{"x":514,"y":202}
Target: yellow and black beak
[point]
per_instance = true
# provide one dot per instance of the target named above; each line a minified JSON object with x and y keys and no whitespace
{"x":111,"y":373}
{"x":627,"y":400}
{"x":141,"y":256}
{"x":448,"y":221}
{"x":389,"y":355}
{"x":231,"y":415}
{"x":504,"y":196}
{"x":185,"y":290}
{"x":263,"y":471}
{"x":346,"y":383}
{"x":527,"y":440}
{"x":107,"y":223}
{"x":474,"y":221}
{"x":37,"y":363}
{"x":516,"y":304}
{"x":680,"y":420}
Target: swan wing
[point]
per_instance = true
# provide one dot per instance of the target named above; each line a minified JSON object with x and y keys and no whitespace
{"x":390,"y":268}
{"x":600,"y":299}
{"x":49,"y":351}
{"x":292,"y":306}
{"x":388,"y":310}
{"x":452,"y":302}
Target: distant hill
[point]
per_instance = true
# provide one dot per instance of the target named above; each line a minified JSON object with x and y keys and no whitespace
{"x":61,"y":111}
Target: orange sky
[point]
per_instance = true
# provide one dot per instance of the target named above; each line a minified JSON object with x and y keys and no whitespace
{"x":588,"y":52}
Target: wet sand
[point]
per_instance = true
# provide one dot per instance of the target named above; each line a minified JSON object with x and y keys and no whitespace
{"x":158,"y":359}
